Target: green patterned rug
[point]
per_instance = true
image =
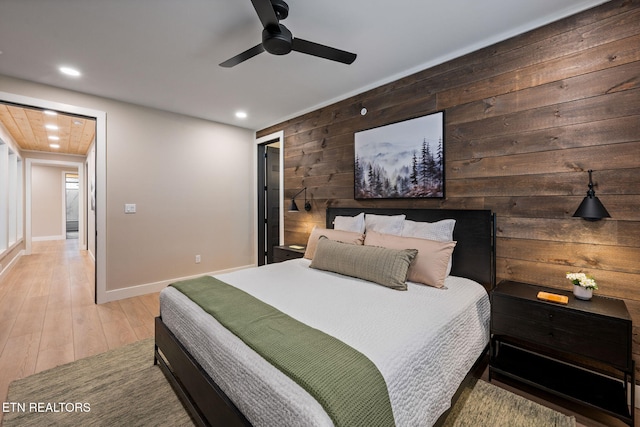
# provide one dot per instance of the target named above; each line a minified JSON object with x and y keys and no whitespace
{"x":122,"y":387}
{"x":482,"y":404}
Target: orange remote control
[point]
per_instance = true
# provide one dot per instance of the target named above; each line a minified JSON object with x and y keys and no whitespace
{"x":546,"y":296}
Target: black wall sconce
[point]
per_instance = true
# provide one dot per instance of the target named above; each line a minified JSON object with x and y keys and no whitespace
{"x":591,"y":208}
{"x":294,"y":208}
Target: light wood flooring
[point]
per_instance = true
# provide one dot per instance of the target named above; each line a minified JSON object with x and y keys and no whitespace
{"x":48,"y":318}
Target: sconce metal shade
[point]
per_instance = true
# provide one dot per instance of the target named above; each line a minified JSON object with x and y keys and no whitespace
{"x":294,"y":208}
{"x":591,"y":207}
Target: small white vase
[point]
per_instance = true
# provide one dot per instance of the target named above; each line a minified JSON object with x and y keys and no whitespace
{"x":582,"y":293}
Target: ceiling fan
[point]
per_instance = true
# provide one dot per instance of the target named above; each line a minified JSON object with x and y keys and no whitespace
{"x":278,"y":40}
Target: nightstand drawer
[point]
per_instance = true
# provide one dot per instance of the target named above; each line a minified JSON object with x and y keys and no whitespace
{"x":599,"y":337}
{"x":284,"y":253}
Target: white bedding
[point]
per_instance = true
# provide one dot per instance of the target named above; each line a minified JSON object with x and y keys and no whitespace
{"x":423,"y":340}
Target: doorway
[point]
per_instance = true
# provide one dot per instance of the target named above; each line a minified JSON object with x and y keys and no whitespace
{"x":270,"y":227}
{"x":71,"y":205}
{"x":38,"y":207}
{"x":97,"y":180}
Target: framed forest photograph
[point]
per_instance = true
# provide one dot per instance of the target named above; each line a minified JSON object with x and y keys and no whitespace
{"x":403,"y":160}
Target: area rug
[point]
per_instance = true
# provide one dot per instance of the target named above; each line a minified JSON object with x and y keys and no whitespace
{"x":122,"y":387}
{"x":483,"y":404}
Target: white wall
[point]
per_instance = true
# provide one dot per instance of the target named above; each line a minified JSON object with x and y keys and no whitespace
{"x":47,"y":201}
{"x":191,"y":179}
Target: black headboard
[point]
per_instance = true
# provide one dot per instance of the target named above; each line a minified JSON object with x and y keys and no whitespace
{"x":474,"y":255}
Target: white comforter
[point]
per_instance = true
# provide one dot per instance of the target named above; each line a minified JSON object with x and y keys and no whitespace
{"x":423,"y":340}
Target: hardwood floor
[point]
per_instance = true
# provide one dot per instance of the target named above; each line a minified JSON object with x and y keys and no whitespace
{"x":48,"y":316}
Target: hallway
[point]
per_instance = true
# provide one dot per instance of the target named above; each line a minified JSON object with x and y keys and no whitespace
{"x":48,"y":316}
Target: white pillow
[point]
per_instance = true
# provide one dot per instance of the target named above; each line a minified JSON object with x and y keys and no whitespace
{"x":349,"y":223}
{"x":442,"y":231}
{"x":385,"y":224}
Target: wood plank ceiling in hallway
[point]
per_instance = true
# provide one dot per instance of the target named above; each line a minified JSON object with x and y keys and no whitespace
{"x":35,"y":129}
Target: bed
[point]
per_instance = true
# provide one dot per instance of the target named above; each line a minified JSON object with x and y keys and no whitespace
{"x":222,"y":381}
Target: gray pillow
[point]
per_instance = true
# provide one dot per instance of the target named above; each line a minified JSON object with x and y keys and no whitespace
{"x":387,"y":267}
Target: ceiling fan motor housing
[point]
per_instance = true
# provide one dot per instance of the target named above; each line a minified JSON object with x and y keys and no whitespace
{"x":277,"y":42}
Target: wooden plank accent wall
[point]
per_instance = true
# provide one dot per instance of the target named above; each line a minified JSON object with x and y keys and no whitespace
{"x":525,"y":119}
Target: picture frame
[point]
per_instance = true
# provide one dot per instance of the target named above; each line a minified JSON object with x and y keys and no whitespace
{"x":402,"y":160}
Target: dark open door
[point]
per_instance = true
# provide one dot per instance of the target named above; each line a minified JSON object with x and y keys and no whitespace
{"x":268,"y":202}
{"x":273,"y":200}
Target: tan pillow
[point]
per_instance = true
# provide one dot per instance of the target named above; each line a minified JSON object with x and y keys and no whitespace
{"x":338,"y":235}
{"x":387,"y":267}
{"x":442,"y":231}
{"x":430,"y":265}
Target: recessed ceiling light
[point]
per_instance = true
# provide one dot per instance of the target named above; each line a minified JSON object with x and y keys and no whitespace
{"x":77,"y":122}
{"x":69,"y":71}
{"x":51,"y":127}
{"x":54,"y":138}
{"x":50,"y":113}
{"x":54,"y":145}
{"x":241,"y":114}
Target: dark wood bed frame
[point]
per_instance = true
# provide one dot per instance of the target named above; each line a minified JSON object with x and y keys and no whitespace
{"x":473,"y":257}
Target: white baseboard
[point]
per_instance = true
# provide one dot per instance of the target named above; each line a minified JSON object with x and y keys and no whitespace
{"x":13,"y":262}
{"x":148,"y":288}
{"x":47,"y":238}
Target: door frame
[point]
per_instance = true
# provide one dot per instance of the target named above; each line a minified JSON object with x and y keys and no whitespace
{"x":269,"y":139}
{"x":29,"y":163}
{"x":101,"y":178}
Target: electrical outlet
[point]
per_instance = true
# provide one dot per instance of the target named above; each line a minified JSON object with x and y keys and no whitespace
{"x":198,"y":259}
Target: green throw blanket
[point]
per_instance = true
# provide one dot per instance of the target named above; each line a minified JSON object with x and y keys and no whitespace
{"x":344,"y":381}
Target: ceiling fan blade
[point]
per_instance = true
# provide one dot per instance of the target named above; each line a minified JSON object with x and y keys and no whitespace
{"x":322,"y":51}
{"x":247,"y":54}
{"x":265,"y":12}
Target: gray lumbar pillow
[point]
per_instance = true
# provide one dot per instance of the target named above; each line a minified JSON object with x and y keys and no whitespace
{"x":387,"y":267}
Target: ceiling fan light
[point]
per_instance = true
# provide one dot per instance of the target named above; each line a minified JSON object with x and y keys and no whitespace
{"x":277,"y":42}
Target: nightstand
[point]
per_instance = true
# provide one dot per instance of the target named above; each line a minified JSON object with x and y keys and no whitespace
{"x":286,"y":252}
{"x":580,"y":351}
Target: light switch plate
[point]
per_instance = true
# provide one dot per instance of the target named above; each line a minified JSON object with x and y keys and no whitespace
{"x":130,"y":208}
